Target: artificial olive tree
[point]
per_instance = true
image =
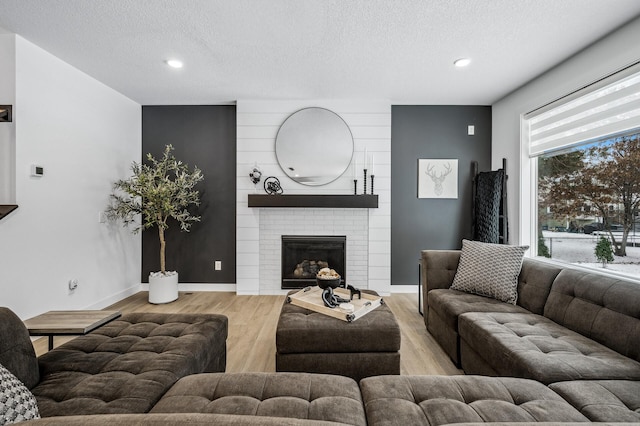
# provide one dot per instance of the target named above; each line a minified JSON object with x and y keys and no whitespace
{"x":157,"y":190}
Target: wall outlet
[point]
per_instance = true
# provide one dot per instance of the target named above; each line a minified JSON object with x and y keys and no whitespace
{"x":73,"y":285}
{"x":471,"y":130}
{"x":102,"y":218}
{"x":217,"y":265}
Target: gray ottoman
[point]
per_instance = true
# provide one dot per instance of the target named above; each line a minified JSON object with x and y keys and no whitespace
{"x":128,"y":364}
{"x":308,"y":341}
{"x":603,"y":400}
{"x":317,"y":397}
{"x":438,"y":400}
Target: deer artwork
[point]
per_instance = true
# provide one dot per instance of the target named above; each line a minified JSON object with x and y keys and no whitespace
{"x":438,"y":179}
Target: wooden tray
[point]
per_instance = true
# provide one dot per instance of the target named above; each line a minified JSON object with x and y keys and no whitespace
{"x":311,"y":298}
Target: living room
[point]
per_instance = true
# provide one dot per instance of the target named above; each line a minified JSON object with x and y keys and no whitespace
{"x":55,"y":236}
{"x":85,"y":134}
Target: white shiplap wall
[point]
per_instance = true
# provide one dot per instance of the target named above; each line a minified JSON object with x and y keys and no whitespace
{"x":258,"y":122}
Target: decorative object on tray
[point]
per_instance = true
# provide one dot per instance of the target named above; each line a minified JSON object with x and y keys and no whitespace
{"x":328,"y":278}
{"x":158,"y":190}
{"x":312,"y":298}
{"x":438,"y":178}
{"x":272,"y":186}
{"x":331,"y":299}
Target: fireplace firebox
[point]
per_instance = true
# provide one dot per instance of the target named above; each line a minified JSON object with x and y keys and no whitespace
{"x":304,"y":255}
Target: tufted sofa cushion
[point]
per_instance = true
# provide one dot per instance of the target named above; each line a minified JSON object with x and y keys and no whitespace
{"x":291,"y":395}
{"x":604,"y":309}
{"x":532,"y":346}
{"x":128,"y":364}
{"x":603,"y":400}
{"x":450,"y":304}
{"x":172,"y":419}
{"x":438,"y":400}
{"x":534,"y":284}
{"x":445,"y":306}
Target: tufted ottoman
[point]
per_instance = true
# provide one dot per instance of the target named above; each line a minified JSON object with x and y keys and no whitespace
{"x":128,"y":364}
{"x":603,"y":400}
{"x":308,"y":341}
{"x":534,"y":347}
{"x":438,"y":400}
{"x":286,"y":395}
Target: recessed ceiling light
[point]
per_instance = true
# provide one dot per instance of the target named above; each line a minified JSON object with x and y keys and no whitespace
{"x":462,"y":62}
{"x":174,"y":63}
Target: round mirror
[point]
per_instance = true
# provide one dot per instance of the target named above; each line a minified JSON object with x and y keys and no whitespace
{"x":314,"y":146}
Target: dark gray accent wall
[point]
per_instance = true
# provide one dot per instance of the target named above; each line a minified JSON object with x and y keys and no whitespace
{"x":432,"y":132}
{"x":203,"y":136}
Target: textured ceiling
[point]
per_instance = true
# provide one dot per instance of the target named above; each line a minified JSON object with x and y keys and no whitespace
{"x":400,"y":50}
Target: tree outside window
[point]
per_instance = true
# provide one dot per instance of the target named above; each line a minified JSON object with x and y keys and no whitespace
{"x":593,"y":188}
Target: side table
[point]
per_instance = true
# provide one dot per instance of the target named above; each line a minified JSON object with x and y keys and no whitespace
{"x":68,"y":323}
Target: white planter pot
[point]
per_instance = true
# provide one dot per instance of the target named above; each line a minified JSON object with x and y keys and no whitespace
{"x":163,"y":289}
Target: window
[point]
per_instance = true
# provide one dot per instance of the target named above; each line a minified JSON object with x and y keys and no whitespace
{"x":584,"y":158}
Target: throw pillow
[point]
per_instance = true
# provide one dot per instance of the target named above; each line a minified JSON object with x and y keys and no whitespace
{"x":17,"y":403}
{"x":489,"y":270}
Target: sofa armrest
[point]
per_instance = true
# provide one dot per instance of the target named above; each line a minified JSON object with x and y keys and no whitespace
{"x":438,"y":269}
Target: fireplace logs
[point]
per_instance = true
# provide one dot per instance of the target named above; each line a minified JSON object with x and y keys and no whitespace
{"x":309,"y":268}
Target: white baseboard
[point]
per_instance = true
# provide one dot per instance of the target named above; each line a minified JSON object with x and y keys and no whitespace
{"x":394,"y":289}
{"x":219,"y":287}
{"x":115,"y":297}
{"x":198,"y":287}
{"x":404,"y":289}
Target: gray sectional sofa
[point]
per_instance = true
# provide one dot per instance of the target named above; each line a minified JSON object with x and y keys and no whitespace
{"x":576,"y":331}
{"x":151,"y":369}
{"x":567,"y":353}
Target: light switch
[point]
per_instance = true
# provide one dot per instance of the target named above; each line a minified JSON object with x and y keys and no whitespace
{"x":471,"y":130}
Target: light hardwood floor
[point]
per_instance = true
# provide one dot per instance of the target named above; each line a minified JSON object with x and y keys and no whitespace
{"x":251,"y":342}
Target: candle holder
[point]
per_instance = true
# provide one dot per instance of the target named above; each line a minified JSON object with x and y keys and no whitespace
{"x":372,"y":176}
{"x":365,"y":182}
{"x":355,"y":187}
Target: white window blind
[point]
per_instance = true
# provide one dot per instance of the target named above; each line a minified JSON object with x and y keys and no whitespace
{"x":608,"y":107}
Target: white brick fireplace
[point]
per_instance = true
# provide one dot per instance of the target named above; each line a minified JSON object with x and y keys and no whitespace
{"x":259,"y":230}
